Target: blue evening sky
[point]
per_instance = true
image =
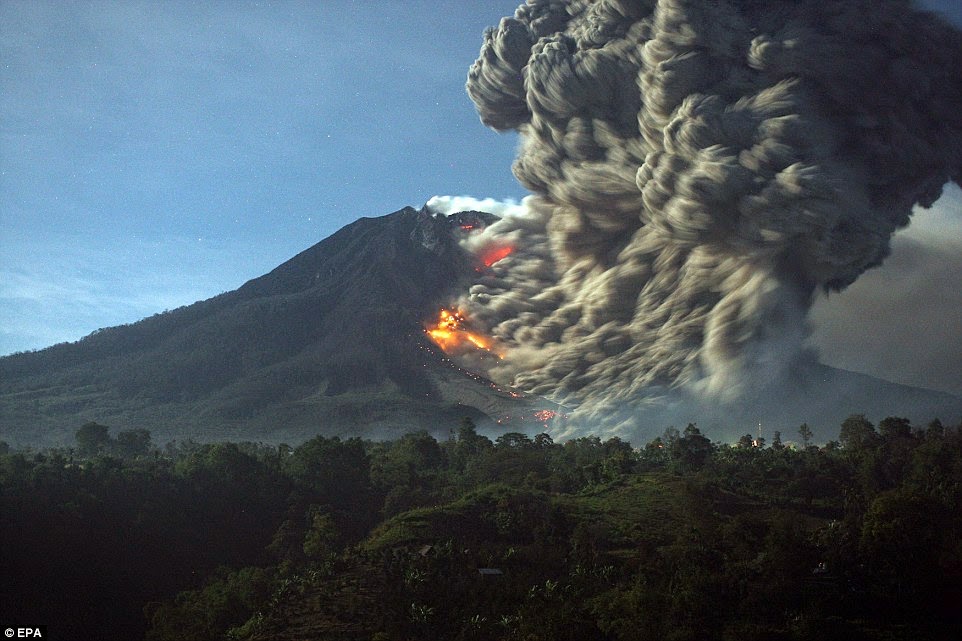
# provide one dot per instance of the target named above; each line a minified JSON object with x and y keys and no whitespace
{"x":157,"y":153}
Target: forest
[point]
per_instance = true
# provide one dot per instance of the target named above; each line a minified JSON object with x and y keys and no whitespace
{"x":474,"y":538}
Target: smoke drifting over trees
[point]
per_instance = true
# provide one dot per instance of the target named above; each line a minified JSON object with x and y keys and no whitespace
{"x":701,"y":171}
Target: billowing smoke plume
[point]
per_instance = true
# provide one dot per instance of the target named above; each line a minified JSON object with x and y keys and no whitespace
{"x":702,"y":169}
{"x":447,"y":205}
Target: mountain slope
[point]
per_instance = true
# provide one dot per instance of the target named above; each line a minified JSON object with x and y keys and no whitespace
{"x":329,"y":342}
{"x":816,"y":394}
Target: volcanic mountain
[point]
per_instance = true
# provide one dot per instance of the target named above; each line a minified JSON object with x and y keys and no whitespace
{"x":330,"y":342}
{"x":333,"y":342}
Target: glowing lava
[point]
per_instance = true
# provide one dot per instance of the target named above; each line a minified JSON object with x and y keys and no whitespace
{"x":491,"y":255}
{"x":451,"y":336}
{"x":545,"y":415}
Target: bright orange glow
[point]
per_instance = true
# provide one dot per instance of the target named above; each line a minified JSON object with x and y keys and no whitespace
{"x":545,"y":415}
{"x":492,"y":255}
{"x":451,"y":336}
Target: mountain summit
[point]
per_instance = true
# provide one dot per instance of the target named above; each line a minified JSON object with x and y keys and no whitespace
{"x":331,"y":342}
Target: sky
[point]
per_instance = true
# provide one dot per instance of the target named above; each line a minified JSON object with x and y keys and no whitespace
{"x":157,"y":153}
{"x":153,"y":154}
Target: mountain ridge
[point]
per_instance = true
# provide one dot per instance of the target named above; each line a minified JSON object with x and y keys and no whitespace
{"x":343,"y":317}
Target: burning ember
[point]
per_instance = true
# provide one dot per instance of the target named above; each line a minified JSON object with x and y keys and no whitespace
{"x":545,"y":415}
{"x":451,"y":336}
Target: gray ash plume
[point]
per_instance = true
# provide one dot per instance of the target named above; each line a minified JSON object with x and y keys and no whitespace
{"x":701,"y":171}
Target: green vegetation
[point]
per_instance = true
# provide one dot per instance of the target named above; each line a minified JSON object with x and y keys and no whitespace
{"x":469,"y":539}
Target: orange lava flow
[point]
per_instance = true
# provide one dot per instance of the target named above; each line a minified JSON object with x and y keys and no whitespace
{"x":450,"y":335}
{"x":493,"y":254}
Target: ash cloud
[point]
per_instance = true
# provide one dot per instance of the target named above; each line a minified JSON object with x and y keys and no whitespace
{"x":701,"y":171}
{"x":904,"y":320}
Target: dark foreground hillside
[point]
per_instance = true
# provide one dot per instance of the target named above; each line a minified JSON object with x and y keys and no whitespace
{"x":465,"y":538}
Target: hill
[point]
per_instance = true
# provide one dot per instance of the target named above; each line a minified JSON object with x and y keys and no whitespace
{"x":466,"y":538}
{"x":330,"y":342}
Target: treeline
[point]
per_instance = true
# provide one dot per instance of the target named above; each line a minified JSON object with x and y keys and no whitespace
{"x":681,"y":538}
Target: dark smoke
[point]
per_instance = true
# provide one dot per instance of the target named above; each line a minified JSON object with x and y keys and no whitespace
{"x":702,"y":170}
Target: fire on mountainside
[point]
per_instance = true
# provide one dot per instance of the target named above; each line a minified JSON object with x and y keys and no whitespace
{"x":493,"y":254}
{"x":451,"y":335}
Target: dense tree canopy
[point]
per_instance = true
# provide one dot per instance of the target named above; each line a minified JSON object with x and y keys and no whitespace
{"x":469,"y":538}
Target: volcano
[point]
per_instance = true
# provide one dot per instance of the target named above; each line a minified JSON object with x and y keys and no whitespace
{"x":330,"y":342}
{"x":334,"y":342}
